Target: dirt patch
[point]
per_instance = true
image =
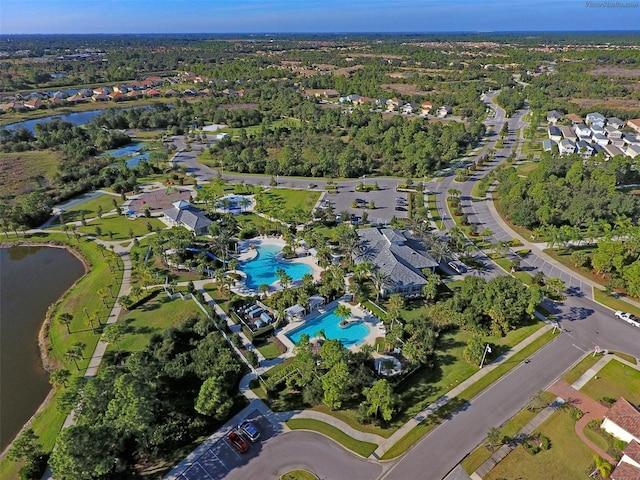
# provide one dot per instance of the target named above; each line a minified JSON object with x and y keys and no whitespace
{"x":616,"y":72}
{"x":405,"y":89}
{"x":617,"y":103}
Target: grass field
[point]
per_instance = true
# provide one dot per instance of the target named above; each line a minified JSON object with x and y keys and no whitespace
{"x":120,"y":226}
{"x":568,"y":456}
{"x":524,"y":169}
{"x":152,"y":318}
{"x":89,"y":208}
{"x":433,"y":211}
{"x":298,"y":475}
{"x":581,"y":368}
{"x":615,"y":380}
{"x":287,"y":199}
{"x":19,"y":170}
{"x":363,"y":449}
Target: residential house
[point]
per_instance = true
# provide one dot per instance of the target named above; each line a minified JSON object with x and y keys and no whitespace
{"x":362,"y":100}
{"x":595,"y":128}
{"x":34,"y":104}
{"x":568,"y":133}
{"x":59,"y":95}
{"x":612,"y":132}
{"x":601,"y":139}
{"x":629,"y":139}
{"x":612,"y":150}
{"x":634,"y":124}
{"x":554,"y":116}
{"x":117,"y":97}
{"x":103,"y":97}
{"x":183,"y":214}
{"x":444,"y":110}
{"x":399,"y":255}
{"x":633,"y":151}
{"x":100,"y":90}
{"x":380,"y":102}
{"x":76,"y":98}
{"x":582,"y":131}
{"x":628,"y":467}
{"x":122,"y":89}
{"x":393,"y":103}
{"x":134,"y":94}
{"x":549,"y":145}
{"x":622,"y":421}
{"x":555,"y":133}
{"x":566,"y":146}
{"x":171,"y":93}
{"x":595,"y":118}
{"x":153,"y":93}
{"x":190,"y":92}
{"x":575,"y":119}
{"x":86,"y":92}
{"x":426,"y":107}
{"x":584,"y":148}
{"x":615,"y":122}
{"x":353,"y":97}
{"x":17,"y":106}
{"x":409,"y":107}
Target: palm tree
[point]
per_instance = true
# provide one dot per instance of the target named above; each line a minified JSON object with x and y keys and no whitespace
{"x":233,"y":264}
{"x":486,"y":233}
{"x":342,"y":312}
{"x":439,"y":251}
{"x":284,"y":277}
{"x":66,"y":319}
{"x":75,"y":353}
{"x":454,"y":192}
{"x":380,"y":280}
{"x":263,"y":288}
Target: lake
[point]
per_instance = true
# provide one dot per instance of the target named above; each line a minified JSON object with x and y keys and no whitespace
{"x":31,"y":279}
{"x":78,"y":118}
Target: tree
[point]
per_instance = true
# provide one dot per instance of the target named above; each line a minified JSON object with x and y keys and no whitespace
{"x":75,"y":353}
{"x":537,"y":402}
{"x":474,"y":350}
{"x":284,"y":277}
{"x":380,"y":280}
{"x":380,"y":400}
{"x":556,"y":284}
{"x":66,"y":319}
{"x":494,"y":437}
{"x":213,"y":399}
{"x":332,"y":352}
{"x":604,"y":467}
{"x":335,"y":384}
{"x":26,"y":448}
{"x":59,"y":378}
{"x":263,"y":288}
{"x":430,"y":289}
{"x":342,"y":312}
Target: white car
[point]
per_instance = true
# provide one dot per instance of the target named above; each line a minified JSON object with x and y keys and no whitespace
{"x":627,"y":317}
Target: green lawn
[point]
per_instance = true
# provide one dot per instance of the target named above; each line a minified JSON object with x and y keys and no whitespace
{"x":286,"y":199}
{"x":298,"y":475}
{"x":567,"y":458}
{"x":89,"y":209}
{"x":154,"y":317}
{"x":363,"y":449}
{"x":433,"y":211}
{"x":615,"y":380}
{"x":526,"y":168}
{"x":270,"y":350}
{"x":120,"y":225}
{"x":615,"y":303}
{"x":581,"y":368}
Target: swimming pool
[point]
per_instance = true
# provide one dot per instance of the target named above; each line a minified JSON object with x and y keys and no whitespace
{"x":262,"y":268}
{"x":353,"y":334}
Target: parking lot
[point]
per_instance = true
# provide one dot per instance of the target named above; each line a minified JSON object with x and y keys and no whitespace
{"x":219,"y":458}
{"x":384,"y":200}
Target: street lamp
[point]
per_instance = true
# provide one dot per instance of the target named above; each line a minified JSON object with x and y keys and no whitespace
{"x":487,"y":349}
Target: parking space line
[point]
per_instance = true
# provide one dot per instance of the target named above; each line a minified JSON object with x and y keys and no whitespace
{"x":219,"y":459}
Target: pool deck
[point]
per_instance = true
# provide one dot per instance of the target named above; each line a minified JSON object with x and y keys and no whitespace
{"x":247,"y":253}
{"x":357,"y":315}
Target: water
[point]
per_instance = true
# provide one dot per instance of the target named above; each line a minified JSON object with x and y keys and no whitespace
{"x":130,"y":150}
{"x":353,"y":334}
{"x":31,"y":279}
{"x":262,"y":269}
{"x":78,"y":118}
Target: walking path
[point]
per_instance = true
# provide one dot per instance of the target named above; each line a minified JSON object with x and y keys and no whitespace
{"x":571,"y":395}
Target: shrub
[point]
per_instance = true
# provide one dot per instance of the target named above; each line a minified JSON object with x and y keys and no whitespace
{"x":576,"y":413}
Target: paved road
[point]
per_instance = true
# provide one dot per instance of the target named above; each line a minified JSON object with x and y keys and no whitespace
{"x":310,"y":451}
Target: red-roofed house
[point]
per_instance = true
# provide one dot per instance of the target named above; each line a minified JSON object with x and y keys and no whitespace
{"x":117,"y":97}
{"x":426,"y":107}
{"x":153,"y":93}
{"x":634,"y":124}
{"x":622,"y":421}
{"x":629,"y":466}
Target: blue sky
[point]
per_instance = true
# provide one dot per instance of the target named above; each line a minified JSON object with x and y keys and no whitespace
{"x":279,"y":16}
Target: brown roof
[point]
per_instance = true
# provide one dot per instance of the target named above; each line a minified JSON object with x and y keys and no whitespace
{"x":625,"y":471}
{"x":634,"y":121}
{"x":626,"y":416}
{"x":633,"y":451}
{"x":574,"y":118}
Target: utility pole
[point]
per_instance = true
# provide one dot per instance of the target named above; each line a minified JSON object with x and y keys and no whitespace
{"x":487,"y":349}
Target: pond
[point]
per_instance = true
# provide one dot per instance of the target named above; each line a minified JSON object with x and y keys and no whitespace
{"x":31,"y":279}
{"x":130,"y":151}
{"x":78,"y":118}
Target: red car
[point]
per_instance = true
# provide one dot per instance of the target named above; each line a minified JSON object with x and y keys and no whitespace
{"x":237,"y":442}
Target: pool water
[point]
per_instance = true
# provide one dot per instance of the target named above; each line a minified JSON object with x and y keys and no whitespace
{"x":262,"y":269}
{"x":353,"y":334}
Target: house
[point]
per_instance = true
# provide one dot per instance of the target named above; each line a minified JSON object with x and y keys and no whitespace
{"x":353,"y":98}
{"x":554,"y":116}
{"x":612,"y":150}
{"x":566,"y":146}
{"x":362,"y":100}
{"x":612,"y":132}
{"x":153,"y":93}
{"x":100,"y":90}
{"x":568,"y":133}
{"x":601,"y":139}
{"x":103,"y":97}
{"x":117,"y":97}
{"x":86,"y":92}
{"x":34,"y":104}
{"x":628,"y":467}
{"x":426,"y":107}
{"x":444,"y":110}
{"x":171,"y":93}
{"x":555,"y":133}
{"x":17,"y":106}
{"x":595,"y":118}
{"x":409,"y":107}
{"x":633,"y":151}
{"x":399,"y":255}
{"x":634,"y":124}
{"x":183,"y":214}
{"x":622,"y":421}
{"x":615,"y":122}
{"x":582,"y":131}
{"x":134,"y":94}
{"x":575,"y":119}
{"x":393,"y":103}
{"x":549,"y":145}
{"x":584,"y":148}
{"x":595,"y":128}
{"x":76,"y":99}
{"x":380,"y":102}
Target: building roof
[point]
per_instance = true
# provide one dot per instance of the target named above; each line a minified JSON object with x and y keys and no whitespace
{"x":626,"y":416}
{"x":612,"y":150}
{"x":554,"y":131}
{"x":574,"y":118}
{"x":632,"y":450}
{"x":554,"y":114}
{"x":615,"y":121}
{"x":188,"y":215}
{"x":396,"y":253}
{"x":625,"y":471}
{"x":548,"y":144}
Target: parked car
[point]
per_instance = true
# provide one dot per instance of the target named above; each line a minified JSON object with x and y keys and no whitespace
{"x":627,"y":317}
{"x":457,"y":267}
{"x":237,"y":442}
{"x":250,"y":430}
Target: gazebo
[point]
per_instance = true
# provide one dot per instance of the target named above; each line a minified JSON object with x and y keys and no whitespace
{"x":315,"y":301}
{"x":295,"y":311}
